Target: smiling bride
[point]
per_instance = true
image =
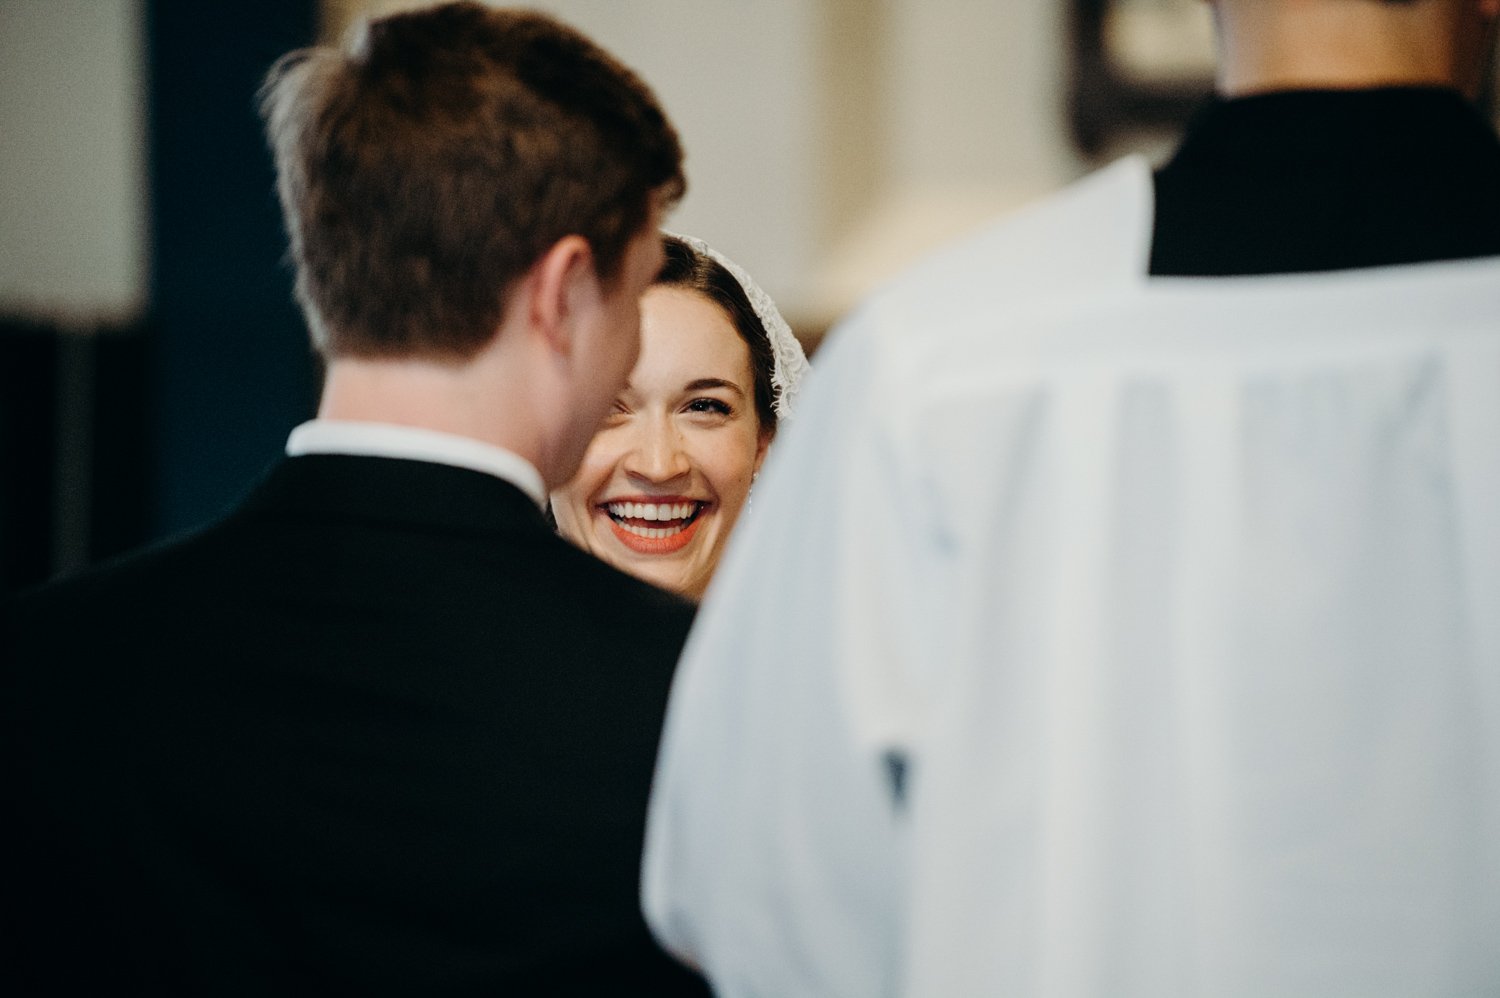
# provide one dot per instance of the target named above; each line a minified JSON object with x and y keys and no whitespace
{"x":670,"y":469}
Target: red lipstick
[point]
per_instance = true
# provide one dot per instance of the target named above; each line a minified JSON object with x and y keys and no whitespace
{"x":654,"y":525}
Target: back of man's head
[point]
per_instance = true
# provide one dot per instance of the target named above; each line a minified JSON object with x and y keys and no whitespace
{"x":1347,"y":44}
{"x":423,"y":169}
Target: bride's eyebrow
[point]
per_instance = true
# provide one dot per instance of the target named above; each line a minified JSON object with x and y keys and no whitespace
{"x":704,"y":384}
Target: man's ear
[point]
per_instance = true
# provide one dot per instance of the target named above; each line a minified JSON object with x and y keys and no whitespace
{"x":562,"y":284}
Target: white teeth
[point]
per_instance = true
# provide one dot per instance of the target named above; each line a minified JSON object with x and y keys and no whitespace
{"x":654,"y":532}
{"x":651,"y":511}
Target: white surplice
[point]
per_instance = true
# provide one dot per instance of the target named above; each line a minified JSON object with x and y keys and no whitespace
{"x":1179,"y":600}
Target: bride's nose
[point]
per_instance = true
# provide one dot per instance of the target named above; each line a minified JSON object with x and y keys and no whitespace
{"x":657,"y":453}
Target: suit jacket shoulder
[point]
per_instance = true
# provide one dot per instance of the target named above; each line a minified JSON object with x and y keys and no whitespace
{"x":379,"y":729}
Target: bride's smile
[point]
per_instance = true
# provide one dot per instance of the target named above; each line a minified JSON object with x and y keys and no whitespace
{"x":668,"y":472}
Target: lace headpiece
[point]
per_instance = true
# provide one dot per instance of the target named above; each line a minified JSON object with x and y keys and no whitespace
{"x":790,"y":361}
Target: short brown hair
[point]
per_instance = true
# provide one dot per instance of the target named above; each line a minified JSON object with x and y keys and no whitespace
{"x":424,"y":169}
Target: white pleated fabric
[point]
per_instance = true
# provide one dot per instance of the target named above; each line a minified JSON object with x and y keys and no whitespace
{"x":1178,"y":599}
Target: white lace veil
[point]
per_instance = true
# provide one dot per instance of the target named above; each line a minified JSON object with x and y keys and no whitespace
{"x":790,"y":361}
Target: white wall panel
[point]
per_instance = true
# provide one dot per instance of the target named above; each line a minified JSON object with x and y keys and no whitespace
{"x":73,"y":243}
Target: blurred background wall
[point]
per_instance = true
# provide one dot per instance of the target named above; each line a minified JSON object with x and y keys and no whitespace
{"x":831,"y":141}
{"x":152,"y":361}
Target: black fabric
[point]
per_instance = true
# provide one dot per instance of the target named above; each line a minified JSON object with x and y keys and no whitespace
{"x":378,"y":732}
{"x":1307,"y":181}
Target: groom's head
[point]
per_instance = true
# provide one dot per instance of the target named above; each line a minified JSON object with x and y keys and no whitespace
{"x":426,"y":166}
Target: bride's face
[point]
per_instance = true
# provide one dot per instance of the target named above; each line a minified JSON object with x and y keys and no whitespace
{"x":668,"y":472}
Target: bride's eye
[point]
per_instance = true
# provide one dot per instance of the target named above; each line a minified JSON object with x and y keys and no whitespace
{"x":711,"y":406}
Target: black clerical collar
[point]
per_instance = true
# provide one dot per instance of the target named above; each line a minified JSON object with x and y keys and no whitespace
{"x":1292,"y":125}
{"x":1315,"y":180}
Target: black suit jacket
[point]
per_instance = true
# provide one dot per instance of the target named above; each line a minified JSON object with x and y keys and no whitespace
{"x":380,"y":731}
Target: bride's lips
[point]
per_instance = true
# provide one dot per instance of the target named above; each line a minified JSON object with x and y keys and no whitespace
{"x":654,"y":526}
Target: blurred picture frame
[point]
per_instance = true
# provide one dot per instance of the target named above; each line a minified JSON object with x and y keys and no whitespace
{"x":1143,"y":67}
{"x":1137,"y":66}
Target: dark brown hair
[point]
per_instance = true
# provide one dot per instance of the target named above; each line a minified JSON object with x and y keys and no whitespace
{"x":687,"y":268}
{"x":423,"y":170}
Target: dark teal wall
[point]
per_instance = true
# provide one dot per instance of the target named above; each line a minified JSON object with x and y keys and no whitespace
{"x":229,"y":367}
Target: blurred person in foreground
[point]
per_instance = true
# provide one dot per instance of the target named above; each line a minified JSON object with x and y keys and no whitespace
{"x":1115,"y":624}
{"x":669,"y":473}
{"x":357,"y":737}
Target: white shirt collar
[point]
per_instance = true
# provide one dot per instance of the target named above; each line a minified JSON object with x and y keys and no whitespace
{"x":362,"y":439}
